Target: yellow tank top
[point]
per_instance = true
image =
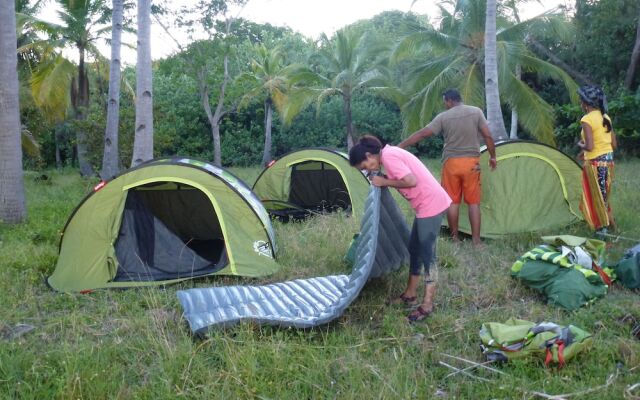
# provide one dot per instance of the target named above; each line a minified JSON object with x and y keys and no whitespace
{"x":601,"y":138}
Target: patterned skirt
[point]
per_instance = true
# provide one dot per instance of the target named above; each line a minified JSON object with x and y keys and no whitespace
{"x":597,"y":176}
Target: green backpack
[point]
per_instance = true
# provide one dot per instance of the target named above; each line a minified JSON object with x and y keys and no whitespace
{"x":518,"y":338}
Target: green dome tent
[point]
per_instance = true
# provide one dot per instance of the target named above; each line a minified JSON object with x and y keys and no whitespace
{"x":534,"y":188}
{"x":164,"y":221}
{"x":314,"y":179}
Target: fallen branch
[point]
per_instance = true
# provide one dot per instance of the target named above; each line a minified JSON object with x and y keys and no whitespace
{"x":458,"y":370}
{"x":610,"y":380}
{"x":474,"y":364}
{"x":629,"y":391}
{"x":469,"y":368}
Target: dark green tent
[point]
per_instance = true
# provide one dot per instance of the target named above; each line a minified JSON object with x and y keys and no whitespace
{"x":314,"y":179}
{"x":164,"y":221}
{"x":535,"y":187}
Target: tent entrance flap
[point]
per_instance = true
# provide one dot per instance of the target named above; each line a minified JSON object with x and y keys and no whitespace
{"x":168,"y":231}
{"x":316,"y":185}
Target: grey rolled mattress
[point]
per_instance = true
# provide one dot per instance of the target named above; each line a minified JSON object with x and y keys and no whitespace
{"x":303,"y":303}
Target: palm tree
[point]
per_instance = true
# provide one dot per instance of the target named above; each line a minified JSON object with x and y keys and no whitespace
{"x":267,"y":80}
{"x":41,"y":70}
{"x":453,"y":55}
{"x":550,"y":24}
{"x":492,"y":93}
{"x":110,"y":164}
{"x":12,"y":203}
{"x":349,"y":64}
{"x":143,"y":142}
{"x":80,"y":17}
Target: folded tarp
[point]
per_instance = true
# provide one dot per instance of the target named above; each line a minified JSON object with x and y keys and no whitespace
{"x":303,"y":303}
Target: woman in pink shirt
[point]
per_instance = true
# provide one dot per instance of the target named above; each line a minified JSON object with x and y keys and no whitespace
{"x":412,"y":179}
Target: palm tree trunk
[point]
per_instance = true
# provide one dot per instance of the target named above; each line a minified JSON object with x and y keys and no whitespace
{"x":494,"y":112}
{"x":81,"y":106}
{"x":143,"y":142}
{"x":346,"y":108}
{"x":514,"y":112}
{"x":513,"y":134}
{"x":268,"y":117}
{"x":635,"y":59}
{"x":110,"y":158}
{"x":12,"y":204}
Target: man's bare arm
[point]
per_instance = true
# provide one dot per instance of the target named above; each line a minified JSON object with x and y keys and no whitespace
{"x":488,"y":140}
{"x":416,"y":137}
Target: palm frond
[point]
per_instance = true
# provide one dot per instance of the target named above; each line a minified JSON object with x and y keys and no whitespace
{"x":50,"y":85}
{"x":394,"y":94}
{"x":29,"y":143}
{"x":472,"y":86}
{"x":297,"y":99}
{"x":423,"y":104}
{"x":534,"y":114}
{"x":545,"y":68}
{"x":323,"y":95}
{"x":548,"y":24}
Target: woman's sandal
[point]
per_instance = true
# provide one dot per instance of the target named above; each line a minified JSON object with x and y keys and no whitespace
{"x":419,"y":314}
{"x":403,"y":300}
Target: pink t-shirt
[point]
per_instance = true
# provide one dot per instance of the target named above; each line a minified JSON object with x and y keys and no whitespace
{"x":427,"y":198}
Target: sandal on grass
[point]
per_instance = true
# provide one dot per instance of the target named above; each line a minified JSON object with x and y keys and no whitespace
{"x":402,"y":300}
{"x":419,"y":314}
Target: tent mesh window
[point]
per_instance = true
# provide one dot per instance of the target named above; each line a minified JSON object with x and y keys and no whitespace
{"x":316,"y":185}
{"x":168,"y":231}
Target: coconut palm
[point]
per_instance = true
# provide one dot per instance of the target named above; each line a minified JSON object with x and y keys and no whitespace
{"x":110,"y":164}
{"x":81,"y":18}
{"x":491,"y":84}
{"x":267,"y":81}
{"x":83,"y":23}
{"x":12,"y":203}
{"x":40,"y":70}
{"x":453,"y":55}
{"x":143,"y":142}
{"x":348,"y":64}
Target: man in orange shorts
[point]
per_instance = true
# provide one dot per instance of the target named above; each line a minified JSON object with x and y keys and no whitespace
{"x":460,"y":126}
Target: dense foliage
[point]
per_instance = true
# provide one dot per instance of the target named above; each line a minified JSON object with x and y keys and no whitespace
{"x":181,"y":125}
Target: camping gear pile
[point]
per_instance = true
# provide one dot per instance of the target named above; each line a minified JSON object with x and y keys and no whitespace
{"x":516,"y":338}
{"x":302,"y":303}
{"x":566,"y":269}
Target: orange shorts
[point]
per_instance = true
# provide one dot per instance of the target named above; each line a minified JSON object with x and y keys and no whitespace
{"x":461,"y":178}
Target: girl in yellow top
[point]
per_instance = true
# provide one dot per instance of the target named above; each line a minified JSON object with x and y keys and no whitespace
{"x":597,"y":144}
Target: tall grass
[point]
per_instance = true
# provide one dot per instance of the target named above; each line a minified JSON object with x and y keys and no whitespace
{"x":134,"y":344}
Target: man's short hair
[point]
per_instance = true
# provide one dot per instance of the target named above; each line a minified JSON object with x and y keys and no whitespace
{"x":452,"y":95}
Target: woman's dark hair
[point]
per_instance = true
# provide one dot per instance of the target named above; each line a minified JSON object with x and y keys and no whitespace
{"x":605,"y":122}
{"x":366,"y":144}
{"x":595,"y":97}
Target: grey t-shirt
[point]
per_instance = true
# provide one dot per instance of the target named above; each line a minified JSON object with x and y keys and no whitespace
{"x":460,"y":129}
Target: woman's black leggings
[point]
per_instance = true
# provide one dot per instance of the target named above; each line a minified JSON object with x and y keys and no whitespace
{"x":422,"y":244}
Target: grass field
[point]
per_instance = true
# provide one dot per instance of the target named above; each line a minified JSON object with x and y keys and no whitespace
{"x":134,"y":344}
